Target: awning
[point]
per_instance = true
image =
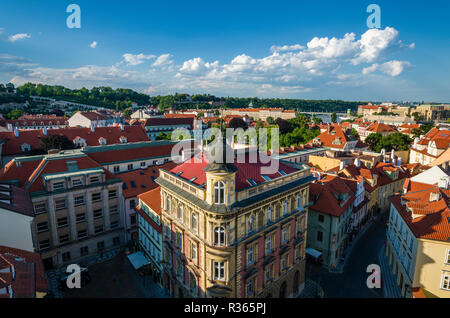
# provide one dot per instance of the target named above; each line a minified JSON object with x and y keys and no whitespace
{"x":137,"y":260}
{"x":314,"y":253}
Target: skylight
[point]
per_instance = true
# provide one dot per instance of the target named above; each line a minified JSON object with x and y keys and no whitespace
{"x":282,"y":172}
{"x":266,"y":177}
{"x":252,"y":182}
{"x":193,"y":179}
{"x":179,"y":173}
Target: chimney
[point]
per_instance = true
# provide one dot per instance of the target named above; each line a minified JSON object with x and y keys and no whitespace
{"x":444,"y":183}
{"x":92,"y":128}
{"x":16,"y":132}
{"x":121,"y":127}
{"x":44,"y":131}
{"x":341,"y":165}
{"x":358,"y":162}
{"x":392,"y":154}
{"x":10,"y":127}
{"x":399,"y":161}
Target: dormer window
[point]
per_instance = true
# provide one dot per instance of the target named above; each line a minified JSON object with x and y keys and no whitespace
{"x":58,"y":186}
{"x":219,"y":192}
{"x":102,"y":141}
{"x":123,"y":140}
{"x":25,"y":147}
{"x":79,"y":142}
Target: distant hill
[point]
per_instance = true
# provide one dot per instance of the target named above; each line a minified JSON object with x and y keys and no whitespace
{"x":122,"y":98}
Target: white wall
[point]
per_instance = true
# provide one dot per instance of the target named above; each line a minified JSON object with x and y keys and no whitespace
{"x":15,"y":230}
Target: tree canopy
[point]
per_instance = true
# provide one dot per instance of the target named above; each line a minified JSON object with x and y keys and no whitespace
{"x":396,"y":141}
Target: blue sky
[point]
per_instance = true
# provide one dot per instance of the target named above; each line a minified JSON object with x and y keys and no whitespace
{"x":299,"y":49}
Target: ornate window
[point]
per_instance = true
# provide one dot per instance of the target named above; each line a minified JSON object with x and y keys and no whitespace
{"x":219,"y":236}
{"x":251,"y":223}
{"x":219,"y":270}
{"x":219,"y":192}
{"x":168,"y":203}
{"x":180,"y":212}
{"x":194,"y":222}
{"x":269,"y":215}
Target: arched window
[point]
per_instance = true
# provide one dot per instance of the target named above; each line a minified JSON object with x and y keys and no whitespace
{"x":193,"y":283}
{"x":168,"y":203}
{"x":269,"y":215}
{"x":219,"y":236}
{"x":180,"y":212}
{"x":251,"y":223}
{"x":194,"y":222}
{"x":299,"y":202}
{"x":219,"y":192}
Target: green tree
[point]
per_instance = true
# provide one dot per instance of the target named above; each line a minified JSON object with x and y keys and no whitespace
{"x":373,"y":140}
{"x":237,"y":122}
{"x":60,"y":142}
{"x":127,"y":112}
{"x":317,"y":120}
{"x":14,"y":114}
{"x":333,"y":117}
{"x":270,"y":120}
{"x":355,"y":134}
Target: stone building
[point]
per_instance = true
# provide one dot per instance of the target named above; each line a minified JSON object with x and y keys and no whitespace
{"x":234,"y":229}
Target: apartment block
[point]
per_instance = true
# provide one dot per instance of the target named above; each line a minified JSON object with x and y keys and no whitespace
{"x":78,"y":205}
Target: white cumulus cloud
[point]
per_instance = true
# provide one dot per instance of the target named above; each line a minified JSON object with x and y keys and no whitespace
{"x":18,"y":36}
{"x":136,"y":59}
{"x":93,"y":44}
{"x":391,"y":68}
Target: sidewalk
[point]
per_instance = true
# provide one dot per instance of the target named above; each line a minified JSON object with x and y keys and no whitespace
{"x":339,"y":269}
{"x":311,"y":290}
{"x":146,"y":284}
{"x":388,"y":283}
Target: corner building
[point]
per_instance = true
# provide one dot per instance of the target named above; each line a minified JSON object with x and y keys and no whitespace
{"x":231,"y":231}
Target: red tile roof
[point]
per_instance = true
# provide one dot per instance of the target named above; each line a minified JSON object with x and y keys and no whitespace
{"x":139,"y":181}
{"x":29,"y":272}
{"x":152,"y":199}
{"x":440,"y":137}
{"x":104,"y":156}
{"x":377,"y":127}
{"x":31,"y":177}
{"x":12,"y":145}
{"x":156,"y":121}
{"x":432,"y":218}
{"x":326,"y":195}
{"x":333,"y":133}
{"x":246,"y":171}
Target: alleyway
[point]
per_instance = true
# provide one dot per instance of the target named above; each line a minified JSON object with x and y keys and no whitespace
{"x":352,"y":282}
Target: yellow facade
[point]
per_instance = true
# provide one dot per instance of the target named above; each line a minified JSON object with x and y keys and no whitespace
{"x":431,"y":264}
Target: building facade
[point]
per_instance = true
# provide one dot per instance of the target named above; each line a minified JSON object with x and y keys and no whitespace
{"x":417,"y":238}
{"x":231,"y":233}
{"x":78,"y":205}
